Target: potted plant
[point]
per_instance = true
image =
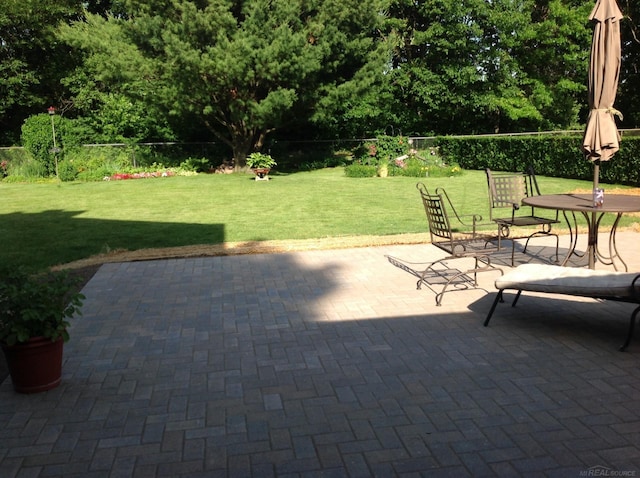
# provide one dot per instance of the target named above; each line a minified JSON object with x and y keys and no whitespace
{"x":261,"y":164}
{"x":34,"y":313}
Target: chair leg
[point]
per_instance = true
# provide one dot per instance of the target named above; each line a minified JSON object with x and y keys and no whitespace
{"x":421,"y":279}
{"x":499,"y":237}
{"x":503,"y":233}
{"x":446,"y":286}
{"x":475,"y":273}
{"x":515,"y":300}
{"x":493,"y":307}
{"x":482,"y":263}
{"x":452,"y":279}
{"x":632,"y":323}
{"x":542,"y":233}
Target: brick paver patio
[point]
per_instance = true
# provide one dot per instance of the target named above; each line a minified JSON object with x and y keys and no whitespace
{"x":328,"y":363}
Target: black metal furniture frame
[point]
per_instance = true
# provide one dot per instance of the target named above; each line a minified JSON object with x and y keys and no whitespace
{"x":617,"y":204}
{"x":506,"y":192}
{"x":590,"y":283}
{"x":465,"y":241}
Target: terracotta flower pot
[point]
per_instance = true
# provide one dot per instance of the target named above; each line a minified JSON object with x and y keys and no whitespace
{"x":35,"y":366}
{"x":261,"y":173}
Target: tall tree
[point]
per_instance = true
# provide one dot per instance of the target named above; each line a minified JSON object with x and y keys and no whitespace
{"x":628,"y":99}
{"x":437,"y":67}
{"x":554,"y":57}
{"x":243,"y":69}
{"x":31,"y":60}
{"x":478,"y":66}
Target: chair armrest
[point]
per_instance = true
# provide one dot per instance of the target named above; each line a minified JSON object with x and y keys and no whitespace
{"x":473,"y":222}
{"x":475,"y":219}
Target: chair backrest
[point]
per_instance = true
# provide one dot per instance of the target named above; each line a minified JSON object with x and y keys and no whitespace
{"x":452,"y":232}
{"x":507,"y":190}
{"x":437,"y":217}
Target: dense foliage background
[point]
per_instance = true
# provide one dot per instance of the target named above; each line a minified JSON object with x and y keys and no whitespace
{"x":248,"y":73}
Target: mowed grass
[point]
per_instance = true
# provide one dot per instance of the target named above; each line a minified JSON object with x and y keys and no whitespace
{"x":56,"y":223}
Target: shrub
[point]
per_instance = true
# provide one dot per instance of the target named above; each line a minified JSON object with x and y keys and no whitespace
{"x":144,"y":156}
{"x":331,"y":161}
{"x":357,"y":170}
{"x":16,"y":178}
{"x":196,"y":165}
{"x":305,"y":156}
{"x":67,"y":171}
{"x":24,"y":168}
{"x":37,"y":138}
{"x":93,"y":164}
{"x":551,"y":155}
{"x":10,"y":157}
{"x":97,"y":174}
{"x":444,"y":171}
{"x":390,"y":147}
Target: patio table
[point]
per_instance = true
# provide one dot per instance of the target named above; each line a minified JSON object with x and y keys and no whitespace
{"x":583,"y":203}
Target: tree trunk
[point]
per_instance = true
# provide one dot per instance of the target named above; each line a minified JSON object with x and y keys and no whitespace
{"x":241,"y":146}
{"x":244,"y":143}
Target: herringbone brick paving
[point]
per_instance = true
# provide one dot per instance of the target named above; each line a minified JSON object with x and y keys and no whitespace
{"x":327,"y":363}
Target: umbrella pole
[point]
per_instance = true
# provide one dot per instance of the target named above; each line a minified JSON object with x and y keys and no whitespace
{"x":593,"y":230}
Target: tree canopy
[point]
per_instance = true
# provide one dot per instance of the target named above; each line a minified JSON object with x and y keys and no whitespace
{"x":628,"y":100}
{"x":239,"y":72}
{"x":32,"y":60}
{"x":474,"y":66}
{"x":242,"y":69}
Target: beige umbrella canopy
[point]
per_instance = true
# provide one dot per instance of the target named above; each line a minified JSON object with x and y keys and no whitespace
{"x":601,"y":137}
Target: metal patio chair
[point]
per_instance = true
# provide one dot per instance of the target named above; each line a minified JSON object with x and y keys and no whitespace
{"x":506,"y":192}
{"x":460,"y":237}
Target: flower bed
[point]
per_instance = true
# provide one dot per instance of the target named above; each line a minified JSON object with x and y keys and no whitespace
{"x":156,"y":174}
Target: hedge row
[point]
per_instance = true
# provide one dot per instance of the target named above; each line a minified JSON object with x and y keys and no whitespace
{"x":557,"y":156}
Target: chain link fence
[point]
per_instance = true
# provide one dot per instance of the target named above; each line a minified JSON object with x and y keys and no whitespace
{"x":290,"y":154}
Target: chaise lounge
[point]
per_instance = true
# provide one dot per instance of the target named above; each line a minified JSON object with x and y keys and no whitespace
{"x":574,"y":281}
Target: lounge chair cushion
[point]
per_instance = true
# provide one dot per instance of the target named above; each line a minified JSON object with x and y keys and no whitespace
{"x":568,"y":280}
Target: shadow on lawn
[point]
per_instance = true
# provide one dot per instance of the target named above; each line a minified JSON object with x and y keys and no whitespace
{"x":54,"y":237}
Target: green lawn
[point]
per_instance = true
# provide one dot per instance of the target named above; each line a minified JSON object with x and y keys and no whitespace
{"x":49,"y":224}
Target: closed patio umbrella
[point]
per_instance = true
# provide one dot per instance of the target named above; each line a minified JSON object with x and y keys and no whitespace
{"x":601,"y":137}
